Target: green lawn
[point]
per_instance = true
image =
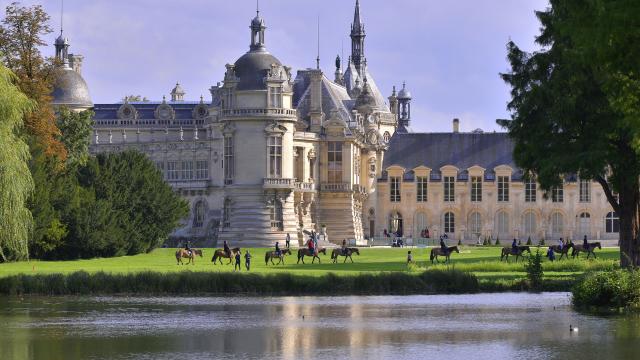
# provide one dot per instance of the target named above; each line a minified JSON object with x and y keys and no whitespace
{"x":482,"y":261}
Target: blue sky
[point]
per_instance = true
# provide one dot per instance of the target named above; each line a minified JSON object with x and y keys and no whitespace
{"x":449,"y":52}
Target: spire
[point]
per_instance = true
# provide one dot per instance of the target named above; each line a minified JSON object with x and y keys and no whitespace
{"x":318,"y":57}
{"x":404,"y":109}
{"x":257,"y":31}
{"x":357,"y":39}
{"x":62,"y":43}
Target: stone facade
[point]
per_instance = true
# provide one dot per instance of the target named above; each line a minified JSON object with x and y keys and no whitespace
{"x":274,"y":154}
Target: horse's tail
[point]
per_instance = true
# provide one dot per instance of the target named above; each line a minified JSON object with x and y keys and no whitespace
{"x":266,"y":257}
{"x":432,"y":255}
{"x":215,"y":256}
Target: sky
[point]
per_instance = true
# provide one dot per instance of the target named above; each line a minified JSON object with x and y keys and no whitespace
{"x":450,"y":53}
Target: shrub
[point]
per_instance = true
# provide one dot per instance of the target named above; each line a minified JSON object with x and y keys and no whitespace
{"x":460,"y":242}
{"x":484,"y":242}
{"x":541,"y":243}
{"x":529,"y":243}
{"x":610,"y":289}
{"x":534,"y":270}
{"x":497,"y":241}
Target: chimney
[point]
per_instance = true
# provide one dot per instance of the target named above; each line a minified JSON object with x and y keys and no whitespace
{"x":456,"y":126}
{"x":315,"y":94}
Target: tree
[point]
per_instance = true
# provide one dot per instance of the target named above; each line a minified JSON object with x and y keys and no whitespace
{"x":16,"y":183}
{"x":575,"y":104}
{"x":21,"y":35}
{"x":75,"y":131}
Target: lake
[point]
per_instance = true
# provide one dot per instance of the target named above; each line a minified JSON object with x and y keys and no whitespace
{"x":483,"y":326}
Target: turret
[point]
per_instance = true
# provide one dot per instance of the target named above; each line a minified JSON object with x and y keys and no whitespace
{"x":404,"y":109}
{"x":357,"y":40}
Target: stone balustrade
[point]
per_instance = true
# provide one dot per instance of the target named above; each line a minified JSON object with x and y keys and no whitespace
{"x":278,"y":183}
{"x":259,"y":112}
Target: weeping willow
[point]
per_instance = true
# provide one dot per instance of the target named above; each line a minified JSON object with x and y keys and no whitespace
{"x":16,"y":184}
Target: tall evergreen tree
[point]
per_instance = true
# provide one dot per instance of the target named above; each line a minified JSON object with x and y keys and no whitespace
{"x":16,"y":184}
{"x":575,"y":104}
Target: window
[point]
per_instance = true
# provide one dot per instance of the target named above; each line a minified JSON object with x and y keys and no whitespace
{"x":557,"y":194}
{"x":275,"y":156}
{"x":160,"y":166}
{"x":475,"y":224}
{"x":502,"y":223}
{"x":172,"y":170}
{"x":275,"y":99}
{"x":585,"y":191}
{"x":557,"y":223}
{"x":198,"y":215}
{"x":226,"y":213}
{"x":449,"y":223}
{"x":529,"y":223}
{"x":530,"y":190}
{"x":334,"y":153}
{"x":276,"y":215}
{"x":187,"y":170}
{"x":584,"y":224}
{"x":612,"y":222}
{"x":228,"y":160}
{"x":421,"y":191}
{"x":202,"y":170}
{"x":386,"y":137}
{"x":449,"y":190}
{"x":395,"y":223}
{"x":476,"y":188}
{"x":503,"y":188}
{"x":394,"y":183}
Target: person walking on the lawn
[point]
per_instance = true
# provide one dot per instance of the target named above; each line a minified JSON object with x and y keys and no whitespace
{"x":287,"y":241}
{"x":247,"y":260}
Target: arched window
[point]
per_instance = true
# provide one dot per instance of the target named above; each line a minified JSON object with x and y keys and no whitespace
{"x":198,"y":214}
{"x":449,"y":222}
{"x":276,"y":216}
{"x":612,"y":222}
{"x":584,"y":224}
{"x":557,"y":224}
{"x":502,"y":223}
{"x":226,"y":213}
{"x":395,"y":223}
{"x":529,"y":224}
{"x":386,"y":137}
{"x":475,"y":224}
{"x":419,"y":223}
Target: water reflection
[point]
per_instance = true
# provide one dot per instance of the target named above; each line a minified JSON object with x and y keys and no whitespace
{"x":494,"y":326}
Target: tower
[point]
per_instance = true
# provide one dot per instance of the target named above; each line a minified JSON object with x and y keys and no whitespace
{"x":62,"y":50}
{"x":357,"y":40}
{"x":404,"y":109}
{"x":177,"y":93}
{"x":257,"y":32}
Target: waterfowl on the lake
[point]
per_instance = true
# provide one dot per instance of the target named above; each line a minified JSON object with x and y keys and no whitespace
{"x":573,"y":329}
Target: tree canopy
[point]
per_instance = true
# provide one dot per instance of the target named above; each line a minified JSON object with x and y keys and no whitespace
{"x":575,"y":104}
{"x":16,"y":183}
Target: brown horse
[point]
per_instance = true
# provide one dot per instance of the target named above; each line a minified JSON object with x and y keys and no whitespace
{"x":436,"y":251}
{"x":270,"y":255}
{"x":564,"y":251}
{"x":507,"y":250}
{"x":182,"y":253}
{"x":302,"y":252}
{"x":347,"y":254}
{"x":219,"y":254}
{"x":590,"y":250}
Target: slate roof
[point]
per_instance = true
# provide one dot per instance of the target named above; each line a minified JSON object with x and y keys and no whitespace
{"x":334,"y":97}
{"x":252,"y":67}
{"x":146,"y":110}
{"x":350,"y":76}
{"x":462,"y":150}
{"x":70,"y":89}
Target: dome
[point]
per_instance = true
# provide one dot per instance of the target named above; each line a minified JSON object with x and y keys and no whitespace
{"x":71,"y":90}
{"x":257,"y":22}
{"x":404,"y":93}
{"x":177,"y":89}
{"x":252,"y":67}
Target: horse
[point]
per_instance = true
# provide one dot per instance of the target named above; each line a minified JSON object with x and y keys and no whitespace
{"x":507,"y":250}
{"x":347,"y":254}
{"x":436,"y":251}
{"x":270,"y":255}
{"x":590,"y":250}
{"x":302,"y":252}
{"x":182,"y":253}
{"x":219,"y":254}
{"x":564,"y":251}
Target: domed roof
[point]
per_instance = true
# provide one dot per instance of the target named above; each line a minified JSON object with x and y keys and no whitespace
{"x":252,"y":67}
{"x":178,"y":89}
{"x":70,"y":89}
{"x":404,"y":93}
{"x":257,"y":21}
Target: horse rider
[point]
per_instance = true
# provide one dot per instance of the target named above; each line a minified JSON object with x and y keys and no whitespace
{"x":344,"y":247}
{"x":585,"y":243}
{"x":187,"y":247}
{"x":560,"y":244}
{"x":311,"y":246}
{"x":514,"y":246}
{"x":278,"y":252}
{"x":443,"y":246}
{"x":287,"y":240}
{"x":226,"y":249}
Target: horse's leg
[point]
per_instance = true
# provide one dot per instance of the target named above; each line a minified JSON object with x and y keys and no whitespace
{"x":350,"y":258}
